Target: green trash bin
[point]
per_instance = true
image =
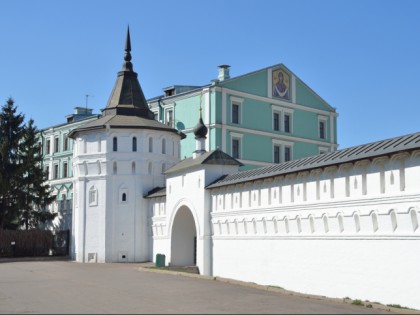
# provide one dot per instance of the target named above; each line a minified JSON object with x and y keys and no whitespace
{"x":160,"y":260}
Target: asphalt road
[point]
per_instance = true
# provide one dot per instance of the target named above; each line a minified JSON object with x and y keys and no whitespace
{"x":69,"y":287}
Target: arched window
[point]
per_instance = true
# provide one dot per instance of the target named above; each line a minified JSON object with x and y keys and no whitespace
{"x":163,"y":146}
{"x":134,"y":144}
{"x":150,"y":168}
{"x":114,"y":168}
{"x":124,"y":197}
{"x":150,"y":145}
{"x":115,"y":144}
{"x":133,"y":167}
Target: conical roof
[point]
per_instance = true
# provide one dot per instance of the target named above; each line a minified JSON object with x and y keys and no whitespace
{"x":127,"y":97}
{"x":127,"y":107}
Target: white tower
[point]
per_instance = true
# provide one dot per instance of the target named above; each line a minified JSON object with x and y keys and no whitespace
{"x":117,"y":160}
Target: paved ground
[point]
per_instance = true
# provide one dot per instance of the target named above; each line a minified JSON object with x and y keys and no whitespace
{"x":69,"y":287}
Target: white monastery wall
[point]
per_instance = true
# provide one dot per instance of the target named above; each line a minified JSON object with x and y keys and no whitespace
{"x":348,"y":230}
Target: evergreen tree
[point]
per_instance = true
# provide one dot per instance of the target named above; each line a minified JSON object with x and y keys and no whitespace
{"x":35,"y":194}
{"x":11,"y":131}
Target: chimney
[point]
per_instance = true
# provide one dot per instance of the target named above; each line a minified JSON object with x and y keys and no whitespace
{"x":224,"y":72}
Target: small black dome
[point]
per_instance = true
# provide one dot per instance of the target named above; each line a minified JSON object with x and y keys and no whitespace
{"x":200,"y":130}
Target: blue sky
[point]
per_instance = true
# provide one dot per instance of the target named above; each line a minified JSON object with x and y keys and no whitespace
{"x":362,"y":57}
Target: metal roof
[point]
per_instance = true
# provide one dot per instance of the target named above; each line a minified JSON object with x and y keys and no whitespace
{"x":366,"y":151}
{"x":215,"y":157}
{"x":156,"y":192}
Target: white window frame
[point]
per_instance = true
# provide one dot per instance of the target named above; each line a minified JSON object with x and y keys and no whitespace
{"x":166,"y":109}
{"x":282,"y":144}
{"x":282,"y":111}
{"x":238,"y":137}
{"x":323,"y":119}
{"x":238,"y":102}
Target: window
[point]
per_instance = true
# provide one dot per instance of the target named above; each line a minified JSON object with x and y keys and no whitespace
{"x":63,"y":202}
{"x":93,"y":196}
{"x":56,"y":144}
{"x":115,"y":144}
{"x":65,"y":142}
{"x":170,"y":117}
{"x":287,"y":121}
{"x":235,"y":113}
{"x":276,"y":121}
{"x":276,"y":158}
{"x":150,"y":145}
{"x":322,"y":126}
{"x":124,"y":197}
{"x":163,"y":146}
{"x":65,"y":169}
{"x":55,"y":174}
{"x":114,"y":168}
{"x":48,"y":147}
{"x":322,"y":129}
{"x":134,"y":145}
{"x":287,"y":153}
{"x":47,"y":171}
{"x":236,"y":148}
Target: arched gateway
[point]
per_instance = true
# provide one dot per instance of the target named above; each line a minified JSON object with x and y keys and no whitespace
{"x":184,"y":239}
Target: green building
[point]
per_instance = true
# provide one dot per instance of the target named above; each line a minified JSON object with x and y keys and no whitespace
{"x":263,"y":117}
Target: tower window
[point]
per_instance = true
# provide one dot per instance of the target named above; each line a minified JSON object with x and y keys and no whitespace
{"x":115,"y":144}
{"x":150,"y":145}
{"x":134,"y":144}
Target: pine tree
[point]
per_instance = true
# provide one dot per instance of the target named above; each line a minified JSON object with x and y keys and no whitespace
{"x":35,"y":194}
{"x":11,"y":131}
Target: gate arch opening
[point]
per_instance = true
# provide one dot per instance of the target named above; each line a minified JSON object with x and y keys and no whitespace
{"x":184,"y":239}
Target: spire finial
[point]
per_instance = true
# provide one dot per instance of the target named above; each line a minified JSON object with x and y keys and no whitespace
{"x":127,"y":66}
{"x":201,"y":95}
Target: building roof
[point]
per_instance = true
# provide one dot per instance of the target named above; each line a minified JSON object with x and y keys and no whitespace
{"x":127,"y":107}
{"x":367,"y":151}
{"x":215,"y":157}
{"x":156,"y":192}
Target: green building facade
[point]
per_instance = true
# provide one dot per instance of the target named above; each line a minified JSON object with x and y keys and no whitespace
{"x":267,"y":116}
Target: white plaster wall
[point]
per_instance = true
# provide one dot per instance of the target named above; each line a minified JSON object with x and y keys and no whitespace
{"x":114,"y":230}
{"x":349,"y":230}
{"x":374,"y":270}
